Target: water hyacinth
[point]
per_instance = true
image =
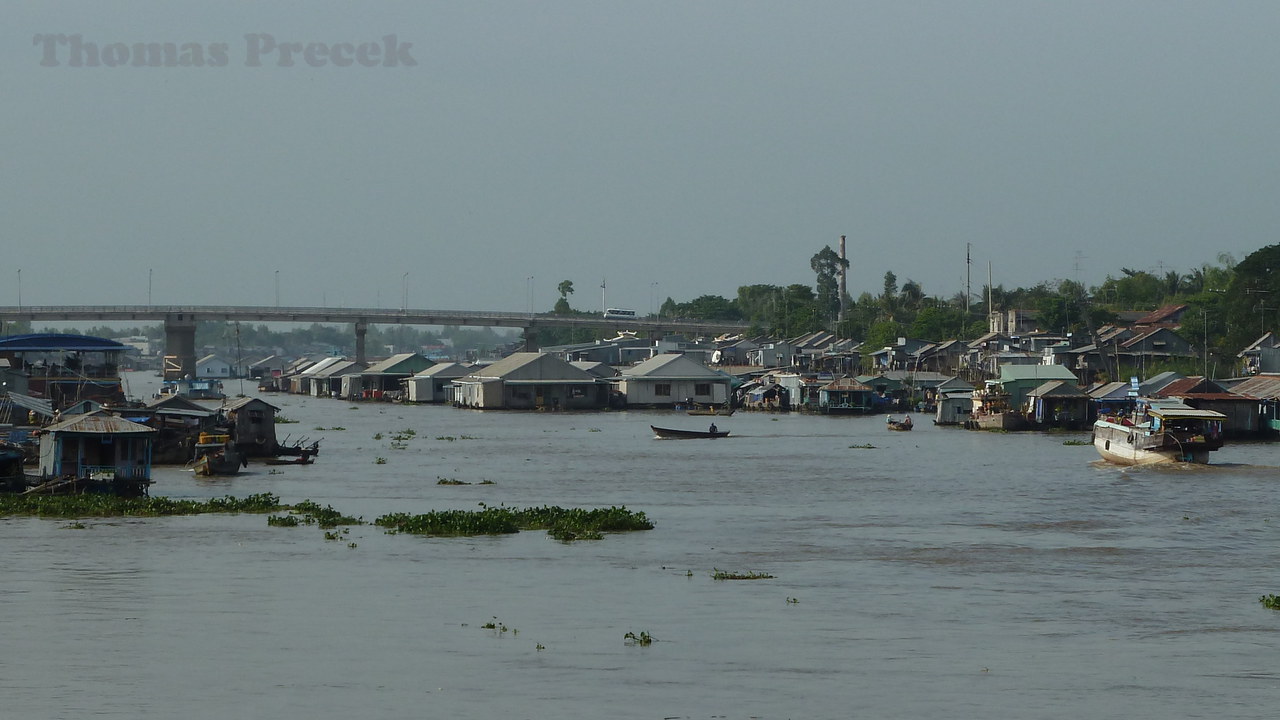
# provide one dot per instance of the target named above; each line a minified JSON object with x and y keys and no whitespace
{"x":95,"y":505}
{"x":560,"y":523}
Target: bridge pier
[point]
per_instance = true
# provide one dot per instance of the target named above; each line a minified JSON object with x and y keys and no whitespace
{"x":179,"y":346}
{"x":530,"y":340}
{"x":362,"y":329}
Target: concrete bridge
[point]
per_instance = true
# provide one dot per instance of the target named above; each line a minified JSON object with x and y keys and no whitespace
{"x":180,"y":321}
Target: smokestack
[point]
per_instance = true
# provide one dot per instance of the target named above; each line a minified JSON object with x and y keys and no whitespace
{"x":844,"y":272}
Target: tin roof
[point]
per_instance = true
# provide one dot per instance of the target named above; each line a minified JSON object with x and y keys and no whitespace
{"x":99,"y":423}
{"x":1260,"y":386}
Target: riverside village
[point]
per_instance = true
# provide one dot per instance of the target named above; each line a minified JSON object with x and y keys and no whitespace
{"x":1157,"y":369}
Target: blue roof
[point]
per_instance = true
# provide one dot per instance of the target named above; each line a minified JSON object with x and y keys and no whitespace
{"x":50,"y":342}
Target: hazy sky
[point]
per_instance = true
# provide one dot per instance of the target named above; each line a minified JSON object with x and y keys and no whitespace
{"x":674,"y":148}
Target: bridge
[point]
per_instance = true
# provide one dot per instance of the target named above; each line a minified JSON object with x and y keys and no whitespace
{"x":180,"y":321}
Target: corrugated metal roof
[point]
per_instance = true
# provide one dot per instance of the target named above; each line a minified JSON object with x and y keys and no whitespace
{"x":38,"y":405}
{"x":1260,"y":386}
{"x":99,"y":423}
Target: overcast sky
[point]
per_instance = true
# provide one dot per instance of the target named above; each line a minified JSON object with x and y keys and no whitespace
{"x":669,"y":148}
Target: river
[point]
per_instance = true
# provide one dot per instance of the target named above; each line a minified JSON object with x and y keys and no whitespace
{"x":939,"y":573}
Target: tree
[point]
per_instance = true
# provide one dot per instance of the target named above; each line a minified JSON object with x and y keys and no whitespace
{"x":828,"y":266}
{"x":565,"y":288}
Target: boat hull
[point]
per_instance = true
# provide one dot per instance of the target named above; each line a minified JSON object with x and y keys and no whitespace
{"x":675,"y":434}
{"x":1136,"y":445}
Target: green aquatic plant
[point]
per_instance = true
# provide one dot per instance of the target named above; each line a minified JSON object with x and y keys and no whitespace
{"x":95,"y":505}
{"x":284,"y":419}
{"x":560,"y":523}
{"x":379,"y":461}
{"x":1076,"y":442}
{"x":450,"y":438}
{"x":718,"y":574}
{"x":1270,"y":602}
{"x":792,"y":601}
{"x":377,"y":436}
{"x":282,"y":520}
{"x":867,"y":446}
{"x":643,"y":638}
{"x":449,"y":481}
{"x":324,"y":517}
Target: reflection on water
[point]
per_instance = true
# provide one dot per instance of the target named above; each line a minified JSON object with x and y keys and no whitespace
{"x":941,"y":572}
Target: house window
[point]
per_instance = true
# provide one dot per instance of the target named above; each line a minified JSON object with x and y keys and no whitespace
{"x":702,"y":389}
{"x":662,"y":389}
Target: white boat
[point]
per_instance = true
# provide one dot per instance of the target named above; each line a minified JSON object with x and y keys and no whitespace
{"x":1161,"y":433}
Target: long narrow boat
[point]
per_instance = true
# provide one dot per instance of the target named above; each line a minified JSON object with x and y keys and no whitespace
{"x":903,"y":424}
{"x":687,"y":434}
{"x":1164,"y":433}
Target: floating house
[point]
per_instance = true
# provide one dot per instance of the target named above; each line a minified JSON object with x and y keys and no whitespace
{"x":97,"y":452}
{"x":386,"y":377}
{"x":65,"y":368}
{"x":846,"y":396}
{"x":1059,"y":404}
{"x":531,"y":381}
{"x":252,"y":426}
{"x":435,"y":384}
{"x":671,"y":379}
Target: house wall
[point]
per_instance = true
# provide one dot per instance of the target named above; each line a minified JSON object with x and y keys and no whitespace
{"x":643,"y":391}
{"x":213,"y":369}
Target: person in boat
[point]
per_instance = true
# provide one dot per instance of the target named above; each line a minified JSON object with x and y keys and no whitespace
{"x":713,"y":428}
{"x":906,"y":420}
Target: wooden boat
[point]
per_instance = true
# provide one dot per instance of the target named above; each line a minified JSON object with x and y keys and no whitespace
{"x":299,"y":460}
{"x":725,"y":411}
{"x":217,"y":455}
{"x":1164,"y":433}
{"x":901,"y":425}
{"x":688,"y":434}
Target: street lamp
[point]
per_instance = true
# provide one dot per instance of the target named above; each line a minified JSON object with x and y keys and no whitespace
{"x":277,"y":288}
{"x":529,"y":280}
{"x":148,"y":287}
{"x":653,"y":291}
{"x":404,"y":281}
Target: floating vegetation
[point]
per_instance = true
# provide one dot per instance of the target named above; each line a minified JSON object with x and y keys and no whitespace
{"x":377,"y":436}
{"x":335,"y":428}
{"x":282,"y":520}
{"x":498,"y":627}
{"x":593,"y":429}
{"x":275,"y":471}
{"x":351,"y":545}
{"x":643,"y":639}
{"x":560,"y":523}
{"x":1076,"y":442}
{"x":792,"y":601}
{"x":379,"y":461}
{"x":398,"y":445}
{"x":449,"y":481}
{"x":867,"y":446}
{"x":77,"y":525}
{"x":93,"y":505}
{"x":325,"y":517}
{"x":1270,"y":602}
{"x":723,"y":575}
{"x":450,"y":438}
{"x":468,"y":437}
{"x":284,"y":419}
{"x":539,"y":646}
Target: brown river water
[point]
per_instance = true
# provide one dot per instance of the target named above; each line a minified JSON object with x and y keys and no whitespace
{"x":941,"y":573}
